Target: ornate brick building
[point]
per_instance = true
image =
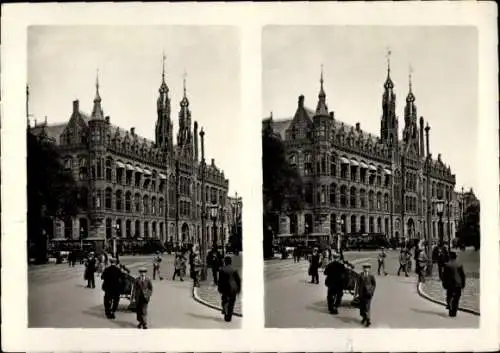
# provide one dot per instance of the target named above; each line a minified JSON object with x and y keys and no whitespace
{"x":132,"y":187}
{"x":373,"y":184}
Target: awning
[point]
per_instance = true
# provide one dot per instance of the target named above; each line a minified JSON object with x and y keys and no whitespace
{"x":354,"y":163}
{"x":120,"y":164}
{"x":344,"y":160}
{"x":147,"y":172}
{"x":363,"y":165}
{"x":137,"y":169}
{"x":387,"y":171}
{"x":373,"y":168}
{"x":130,"y":167}
{"x":162,"y":176}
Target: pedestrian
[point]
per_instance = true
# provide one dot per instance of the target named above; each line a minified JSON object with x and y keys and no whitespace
{"x":229,"y":286}
{"x":403,"y":262}
{"x":366,"y":290}
{"x":179,"y":263}
{"x":112,"y":282}
{"x":214,"y":261}
{"x":143,"y":289}
{"x":453,"y":282}
{"x":314,"y":264}
{"x":381,"y":261}
{"x":90,"y":269}
{"x":296,"y":257}
{"x":421,"y":265}
{"x":335,"y":274}
{"x":196,"y":269}
{"x":156,"y":265}
{"x":442,"y":259}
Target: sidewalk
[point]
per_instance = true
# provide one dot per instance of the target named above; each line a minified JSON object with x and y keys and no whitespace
{"x":208,"y":295}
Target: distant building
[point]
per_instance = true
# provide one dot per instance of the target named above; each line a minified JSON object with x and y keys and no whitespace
{"x":134,"y":188}
{"x":235,"y":207}
{"x":358,"y":182}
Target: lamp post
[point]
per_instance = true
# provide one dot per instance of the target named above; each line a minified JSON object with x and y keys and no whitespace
{"x":213,"y":214}
{"x":81,"y":238}
{"x":222,"y":231}
{"x":427,"y":165}
{"x":203,"y":244}
{"x":439,"y":207}
{"x":340,"y":223}
{"x":114,"y":238}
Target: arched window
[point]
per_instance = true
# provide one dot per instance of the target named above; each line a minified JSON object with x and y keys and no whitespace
{"x":353,"y":197}
{"x":108,"y":228}
{"x":99,"y":168}
{"x":308,"y":166}
{"x":68,"y":228}
{"x":386,"y":202}
{"x":379,"y":225}
{"x":109,"y":164}
{"x":146,"y":229}
{"x":137,"y":229}
{"x":107,"y":198}
{"x":128,"y":228}
{"x":153,"y":206}
{"x":68,"y":164}
{"x":343,"y":196}
{"x":161,"y":207}
{"x":353,"y":224}
{"x":362,"y":224}
{"x":128,"y":200}
{"x":362,"y":198}
{"x":145,"y":202}
{"x":153,"y":229}
{"x":333,"y":165}
{"x":371,"y":199}
{"x":119,"y":200}
{"x":333,"y":194}
{"x":371,"y":225}
{"x":83,"y":172}
{"x":379,"y":200}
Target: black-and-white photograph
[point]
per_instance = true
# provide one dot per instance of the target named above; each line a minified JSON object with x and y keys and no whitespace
{"x":371,"y":209}
{"x":134,"y":217}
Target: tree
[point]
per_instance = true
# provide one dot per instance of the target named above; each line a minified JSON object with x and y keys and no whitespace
{"x":282,"y":185}
{"x":469,"y":233}
{"x":52,"y":193}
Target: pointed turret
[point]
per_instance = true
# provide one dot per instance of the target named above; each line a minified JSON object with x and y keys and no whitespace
{"x":410,"y":132}
{"x":184,"y":136}
{"x":321,"y":108}
{"x":97,"y":113}
{"x":163,"y":123}
{"x":388,"y":124}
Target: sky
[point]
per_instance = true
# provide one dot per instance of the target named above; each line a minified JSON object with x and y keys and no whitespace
{"x":444,"y":67}
{"x":63,"y":62}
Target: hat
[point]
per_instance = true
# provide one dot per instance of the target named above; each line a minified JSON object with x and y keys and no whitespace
{"x":142,"y":269}
{"x":367,"y":265}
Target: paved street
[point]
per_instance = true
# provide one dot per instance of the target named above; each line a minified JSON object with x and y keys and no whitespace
{"x":57,"y":297}
{"x":292,"y":302}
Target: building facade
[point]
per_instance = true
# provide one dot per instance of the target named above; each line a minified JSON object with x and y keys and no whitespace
{"x":235,"y":204}
{"x":134,"y":188}
{"x":355,"y":181}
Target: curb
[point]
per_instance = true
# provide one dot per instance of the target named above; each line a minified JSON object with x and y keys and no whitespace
{"x":197,"y":298}
{"x":426,"y":296}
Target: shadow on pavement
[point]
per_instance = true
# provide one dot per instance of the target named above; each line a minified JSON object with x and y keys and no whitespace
{"x":427,"y":312}
{"x":98,"y":312}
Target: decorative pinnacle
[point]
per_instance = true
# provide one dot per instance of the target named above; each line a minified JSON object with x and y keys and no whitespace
{"x":163,"y":66}
{"x":97,"y":97}
{"x":409,"y":75}
{"x":184,"y":81}
{"x":388,"y":56}
{"x":321,"y":78}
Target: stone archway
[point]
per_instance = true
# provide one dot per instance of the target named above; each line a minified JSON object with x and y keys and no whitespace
{"x":185,"y":232}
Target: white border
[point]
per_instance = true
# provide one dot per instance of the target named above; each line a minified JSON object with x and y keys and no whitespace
{"x":249,"y":18}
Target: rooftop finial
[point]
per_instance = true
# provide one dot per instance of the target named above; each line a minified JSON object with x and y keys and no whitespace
{"x":184,"y":81}
{"x":163,"y":66}
{"x":388,"y":56}
{"x":409,"y":76}
{"x":97,"y":96}
{"x":321,"y":78}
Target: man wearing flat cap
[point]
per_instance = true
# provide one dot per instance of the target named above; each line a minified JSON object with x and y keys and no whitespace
{"x":143,"y":289}
{"x":366,"y":290}
{"x":334,"y":281}
{"x":111,"y":277}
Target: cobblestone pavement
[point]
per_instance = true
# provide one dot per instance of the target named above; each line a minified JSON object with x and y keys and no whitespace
{"x":292,"y":302}
{"x":208,"y":291}
{"x":471,"y":295}
{"x":57,"y":297}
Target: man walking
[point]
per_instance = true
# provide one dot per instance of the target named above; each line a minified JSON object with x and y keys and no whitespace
{"x":366,"y":290}
{"x":403,"y":262}
{"x":143,"y":289}
{"x":111,"y":286}
{"x":314,"y":264}
{"x":214,"y":260}
{"x":156,"y":265}
{"x":229,"y":287}
{"x":334,"y":281}
{"x":453,"y":282}
{"x":90,"y":269}
{"x":381,"y":261}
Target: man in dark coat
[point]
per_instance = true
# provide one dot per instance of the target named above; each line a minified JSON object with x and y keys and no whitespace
{"x":229,"y":287}
{"x":442,"y":258}
{"x":214,"y":261}
{"x":366,"y":290}
{"x":334,"y":281}
{"x":314,"y":266}
{"x":143,"y":289}
{"x":453,"y":282}
{"x":112,"y":280}
{"x":90,"y":269}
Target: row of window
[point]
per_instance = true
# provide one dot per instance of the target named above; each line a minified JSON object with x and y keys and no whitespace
{"x":374,"y":225}
{"x":347,"y":198}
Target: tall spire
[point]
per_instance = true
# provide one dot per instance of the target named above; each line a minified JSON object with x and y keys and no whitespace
{"x":321,"y":108}
{"x":184,"y":101}
{"x":163,"y":87}
{"x":97,"y":113}
{"x":410,"y":98}
{"x":388,"y":82}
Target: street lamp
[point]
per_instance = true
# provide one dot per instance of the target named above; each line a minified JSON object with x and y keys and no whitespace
{"x":213,"y":214}
{"x":81,"y":238}
{"x":114,"y":238}
{"x":439,"y":208}
{"x":222,"y":231}
{"x":340,"y":223}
